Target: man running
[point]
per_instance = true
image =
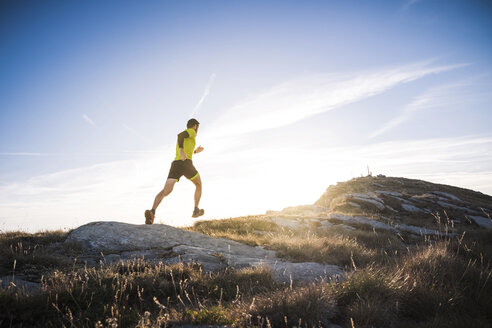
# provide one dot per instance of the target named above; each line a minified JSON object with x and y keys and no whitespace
{"x":182,"y":165}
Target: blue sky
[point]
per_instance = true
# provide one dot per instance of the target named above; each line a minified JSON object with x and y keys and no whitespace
{"x":292,"y":96}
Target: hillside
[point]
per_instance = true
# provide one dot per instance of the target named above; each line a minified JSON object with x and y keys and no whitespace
{"x":410,"y":201}
{"x":370,"y":252}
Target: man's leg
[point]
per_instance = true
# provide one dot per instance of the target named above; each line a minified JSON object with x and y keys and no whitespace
{"x":168,"y":187}
{"x":198,"y":189}
{"x":198,"y":194}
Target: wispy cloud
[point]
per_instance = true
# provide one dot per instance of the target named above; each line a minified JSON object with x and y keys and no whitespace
{"x":22,"y":154}
{"x":298,"y":99}
{"x":408,"y":4}
{"x":206,"y":92}
{"x":432,"y":98}
{"x":88,"y":119}
{"x":136,"y":133}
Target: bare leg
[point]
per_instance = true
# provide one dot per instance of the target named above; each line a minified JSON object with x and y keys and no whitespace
{"x":198,"y":190}
{"x":168,"y":187}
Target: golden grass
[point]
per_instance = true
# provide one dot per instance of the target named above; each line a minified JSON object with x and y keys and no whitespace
{"x":327,"y":246}
{"x":432,"y":285}
{"x":392,"y":282}
{"x":29,"y":253}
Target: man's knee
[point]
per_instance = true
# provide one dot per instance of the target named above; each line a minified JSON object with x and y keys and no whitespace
{"x":197,"y":181}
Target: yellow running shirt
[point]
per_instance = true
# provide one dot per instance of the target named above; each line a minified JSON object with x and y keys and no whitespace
{"x":188,"y":144}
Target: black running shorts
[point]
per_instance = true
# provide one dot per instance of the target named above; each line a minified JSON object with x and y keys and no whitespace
{"x":180,"y":168}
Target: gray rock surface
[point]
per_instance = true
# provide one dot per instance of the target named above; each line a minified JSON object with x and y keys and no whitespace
{"x":289,"y":223}
{"x":361,"y":219}
{"x":349,"y":219}
{"x":447,"y":205}
{"x":389,"y":193}
{"x":119,"y":241}
{"x":417,"y":230}
{"x":19,"y":283}
{"x":353,"y":204}
{"x":410,"y":208}
{"x":309,"y":271}
{"x":481,"y":221}
{"x":447,"y":195}
{"x":369,"y":198}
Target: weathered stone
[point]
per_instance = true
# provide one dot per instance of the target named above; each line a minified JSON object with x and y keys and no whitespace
{"x":466,"y":210}
{"x":481,"y":221}
{"x":416,"y":230}
{"x":19,"y":284}
{"x":111,"y":258}
{"x":447,"y":195}
{"x":346,"y":227}
{"x":111,"y":237}
{"x":388,"y":193}
{"x":391,"y":209}
{"x":289,"y":223}
{"x":411,"y":208}
{"x":353,"y":204}
{"x":369,"y":198}
{"x":303,"y":272}
{"x":326,"y":224}
{"x":161,"y":243}
{"x":361,"y":219}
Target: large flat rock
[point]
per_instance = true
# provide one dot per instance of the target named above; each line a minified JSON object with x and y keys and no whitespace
{"x":110,"y":236}
{"x":162,"y":243}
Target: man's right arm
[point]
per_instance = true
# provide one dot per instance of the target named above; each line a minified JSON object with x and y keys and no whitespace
{"x":181,"y":138}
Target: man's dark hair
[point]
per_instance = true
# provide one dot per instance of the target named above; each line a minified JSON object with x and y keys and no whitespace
{"x":191,"y":123}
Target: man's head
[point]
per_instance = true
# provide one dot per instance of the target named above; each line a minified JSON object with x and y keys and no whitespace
{"x":192,"y":124}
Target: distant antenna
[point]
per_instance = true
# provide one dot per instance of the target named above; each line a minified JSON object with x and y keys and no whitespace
{"x":369,"y":173}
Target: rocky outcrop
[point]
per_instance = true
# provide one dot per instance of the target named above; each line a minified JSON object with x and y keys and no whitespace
{"x":117,"y":241}
{"x":484,"y":222}
{"x":410,"y":205}
{"x":345,"y":221}
{"x":399,"y":205}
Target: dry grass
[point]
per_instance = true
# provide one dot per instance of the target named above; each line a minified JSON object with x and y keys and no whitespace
{"x":327,"y":246}
{"x":250,"y":230}
{"x":432,"y":286}
{"x":338,"y":250}
{"x":303,"y":306}
{"x":439,"y":282}
{"x":122,"y":293}
{"x":30,"y":253}
{"x":39,"y":238}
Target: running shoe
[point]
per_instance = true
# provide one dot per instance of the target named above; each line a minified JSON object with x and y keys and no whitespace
{"x":198,"y":212}
{"x":149,"y":217}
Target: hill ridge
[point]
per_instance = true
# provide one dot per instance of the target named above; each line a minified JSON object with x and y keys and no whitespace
{"x":411,"y":254}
